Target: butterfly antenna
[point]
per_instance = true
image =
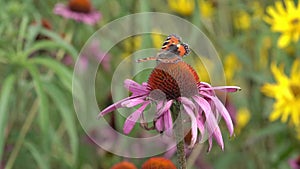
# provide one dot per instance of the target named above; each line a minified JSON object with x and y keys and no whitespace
{"x":146,"y":59}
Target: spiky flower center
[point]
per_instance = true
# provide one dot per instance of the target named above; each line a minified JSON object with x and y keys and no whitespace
{"x":159,"y":163}
{"x":173,"y":80}
{"x":124,"y":165}
{"x":295,"y":25}
{"x":295,"y":89}
{"x":83,"y":6}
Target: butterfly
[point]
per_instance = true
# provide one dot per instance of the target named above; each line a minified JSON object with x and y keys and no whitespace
{"x":172,"y":51}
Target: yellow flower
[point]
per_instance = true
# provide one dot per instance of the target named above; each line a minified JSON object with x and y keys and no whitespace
{"x":202,"y":68}
{"x":157,"y":39}
{"x":231,"y":65}
{"x":242,"y":119}
{"x":206,"y":8}
{"x":183,"y":7}
{"x":242,"y":20}
{"x":286,"y":93}
{"x":131,"y":45}
{"x":284,"y":18}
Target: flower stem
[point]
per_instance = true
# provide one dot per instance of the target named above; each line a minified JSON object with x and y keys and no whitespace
{"x":179,"y":136}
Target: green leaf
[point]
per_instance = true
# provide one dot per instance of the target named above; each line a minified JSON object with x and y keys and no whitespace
{"x":43,"y":102}
{"x":271,"y":129}
{"x":67,"y":114}
{"x":22,"y":29}
{"x":47,"y":45}
{"x":38,"y":157}
{"x":62,"y":72}
{"x":61,"y":42}
{"x":6,"y":90}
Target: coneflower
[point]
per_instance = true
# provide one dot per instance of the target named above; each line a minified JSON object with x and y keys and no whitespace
{"x":175,"y":88}
{"x":78,"y":10}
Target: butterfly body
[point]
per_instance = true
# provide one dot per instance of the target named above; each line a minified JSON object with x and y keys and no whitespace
{"x":172,"y":51}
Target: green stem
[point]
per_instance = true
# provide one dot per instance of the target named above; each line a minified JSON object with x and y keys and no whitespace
{"x":24,"y":130}
{"x":179,"y":136}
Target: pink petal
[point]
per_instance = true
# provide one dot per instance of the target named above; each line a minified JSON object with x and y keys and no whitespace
{"x":187,"y":102}
{"x":135,"y":88}
{"x":113,"y":107}
{"x":225,"y":114}
{"x":131,"y":120}
{"x":211,"y":121}
{"x":223,"y":88}
{"x":168,"y":123}
{"x":209,"y":143}
{"x":165,"y":108}
{"x":218,"y":137}
{"x":200,"y":123}
{"x":223,"y":111}
{"x":190,"y":112}
{"x":132,"y":102}
{"x":159,"y":124}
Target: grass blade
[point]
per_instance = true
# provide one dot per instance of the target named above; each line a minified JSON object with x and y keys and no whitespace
{"x":64,"y":74}
{"x":4,"y":103}
{"x":43,"y":103}
{"x":38,"y":157}
{"x":67,"y":114}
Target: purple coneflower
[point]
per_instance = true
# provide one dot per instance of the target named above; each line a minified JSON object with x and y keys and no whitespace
{"x":295,"y":163}
{"x":172,"y":83}
{"x":79,"y":10}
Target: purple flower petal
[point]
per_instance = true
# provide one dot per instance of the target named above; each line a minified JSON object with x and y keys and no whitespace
{"x":218,"y":137}
{"x":131,"y":120}
{"x":210,"y":118}
{"x":165,"y":108}
{"x":224,"y":113}
{"x":159,"y":124}
{"x":113,"y":107}
{"x":132,"y":102}
{"x":210,"y":143}
{"x":194,"y":127}
{"x":168,"y":123}
{"x":135,"y":88}
{"x":223,"y":88}
{"x":90,"y":18}
{"x":187,"y":102}
{"x":295,"y":163}
{"x":200,"y":123}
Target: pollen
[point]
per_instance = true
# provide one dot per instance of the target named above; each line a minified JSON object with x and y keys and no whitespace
{"x":83,"y":6}
{"x":173,"y":80}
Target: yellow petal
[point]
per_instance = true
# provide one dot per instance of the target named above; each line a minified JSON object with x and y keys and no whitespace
{"x":285,"y":114}
{"x":271,"y":11}
{"x":295,"y":116}
{"x":284,"y":40}
{"x":274,"y":115}
{"x":269,"y":90}
{"x":280,"y":8}
{"x":295,"y":68}
{"x":290,"y":6}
